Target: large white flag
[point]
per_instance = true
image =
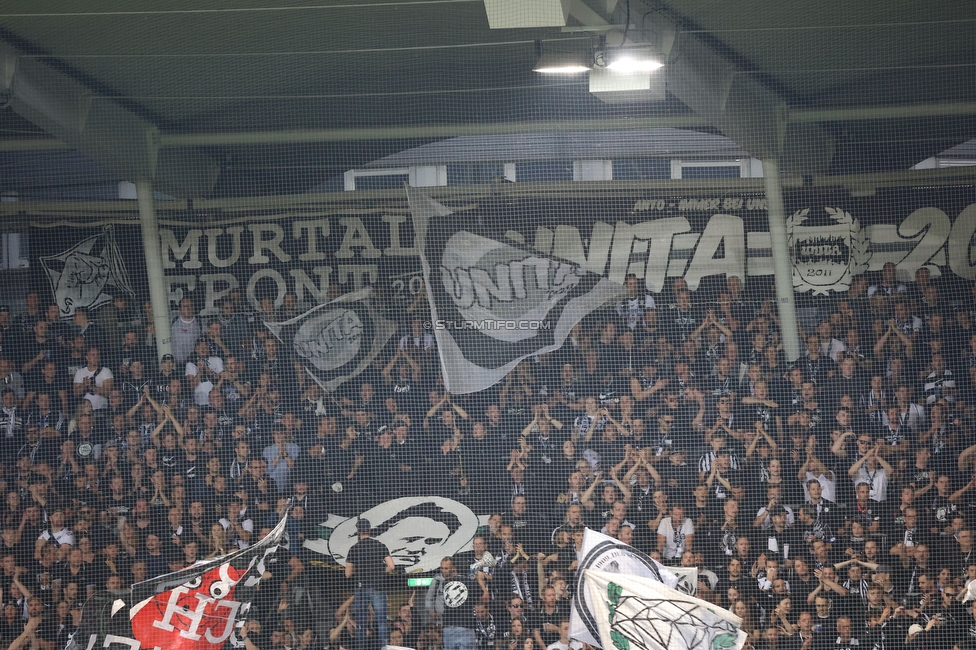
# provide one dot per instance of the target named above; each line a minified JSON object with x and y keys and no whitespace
{"x":604,"y":553}
{"x":636,"y":613}
{"x":494,"y":301}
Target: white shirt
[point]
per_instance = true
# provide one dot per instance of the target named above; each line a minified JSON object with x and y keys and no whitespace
{"x":58,"y":537}
{"x":767,"y":523}
{"x":201,"y":393}
{"x":674,"y":545}
{"x":632,"y":309}
{"x":825,"y":482}
{"x":878,"y":480}
{"x":572,"y":645}
{"x":246,"y":524}
{"x":100,"y":377}
{"x":834,"y":348}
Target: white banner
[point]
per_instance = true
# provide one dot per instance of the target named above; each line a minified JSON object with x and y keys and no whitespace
{"x":604,"y":553}
{"x":635,"y":613}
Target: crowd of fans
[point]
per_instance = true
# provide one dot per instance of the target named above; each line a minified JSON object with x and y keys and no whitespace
{"x":823,"y":501}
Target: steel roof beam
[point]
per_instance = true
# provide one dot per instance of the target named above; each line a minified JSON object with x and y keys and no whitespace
{"x":116,"y":138}
{"x":298,"y":136}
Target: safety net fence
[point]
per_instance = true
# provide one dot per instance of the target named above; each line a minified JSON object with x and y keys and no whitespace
{"x":355,"y":325}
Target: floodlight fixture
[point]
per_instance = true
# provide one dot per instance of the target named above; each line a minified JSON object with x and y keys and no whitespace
{"x":631,"y":60}
{"x":562,"y":63}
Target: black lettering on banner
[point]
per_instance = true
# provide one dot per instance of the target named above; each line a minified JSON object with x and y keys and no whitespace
{"x":658,"y":238}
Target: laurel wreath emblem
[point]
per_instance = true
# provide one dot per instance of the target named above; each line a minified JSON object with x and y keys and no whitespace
{"x":860,"y":254}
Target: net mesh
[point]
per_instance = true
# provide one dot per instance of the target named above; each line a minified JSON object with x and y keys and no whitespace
{"x":571,"y":321}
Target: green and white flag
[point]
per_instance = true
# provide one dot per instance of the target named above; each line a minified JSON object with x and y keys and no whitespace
{"x":604,"y":553}
{"x":637,"y":613}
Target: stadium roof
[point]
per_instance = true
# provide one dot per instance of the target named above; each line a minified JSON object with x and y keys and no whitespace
{"x":241,"y":98}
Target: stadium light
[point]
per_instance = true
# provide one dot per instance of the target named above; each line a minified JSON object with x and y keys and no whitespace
{"x":562,"y":63}
{"x":631,"y":60}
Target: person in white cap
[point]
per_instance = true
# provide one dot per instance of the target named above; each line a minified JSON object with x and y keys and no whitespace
{"x":917,"y":635}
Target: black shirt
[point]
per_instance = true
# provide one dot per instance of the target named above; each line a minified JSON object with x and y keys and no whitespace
{"x":63,"y":573}
{"x":368,"y":557}
{"x":458,"y":594}
{"x":542,"y":617}
{"x":962,"y":631}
